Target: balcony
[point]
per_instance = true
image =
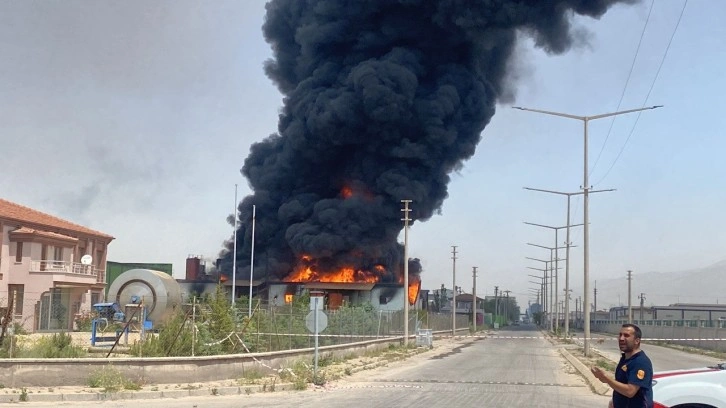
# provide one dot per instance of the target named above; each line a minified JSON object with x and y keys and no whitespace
{"x":73,"y":269}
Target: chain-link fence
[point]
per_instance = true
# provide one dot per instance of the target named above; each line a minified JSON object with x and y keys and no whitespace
{"x":283,"y":328}
{"x":210,"y":326}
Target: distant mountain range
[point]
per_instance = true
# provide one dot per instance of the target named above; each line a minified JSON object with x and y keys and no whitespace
{"x":703,"y":285}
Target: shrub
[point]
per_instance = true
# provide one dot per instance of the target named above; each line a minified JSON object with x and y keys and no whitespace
{"x":111,"y":380}
{"x":84,"y":321}
{"x":176,"y":336}
{"x":59,"y":345}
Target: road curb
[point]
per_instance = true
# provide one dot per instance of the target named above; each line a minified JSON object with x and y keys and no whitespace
{"x":134,"y":395}
{"x":595,"y":384}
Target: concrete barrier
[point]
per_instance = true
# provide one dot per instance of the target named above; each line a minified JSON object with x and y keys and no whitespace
{"x":708,"y":338}
{"x":27,"y":372}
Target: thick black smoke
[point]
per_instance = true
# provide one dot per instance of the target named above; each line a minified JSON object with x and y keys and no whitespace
{"x":384,"y":98}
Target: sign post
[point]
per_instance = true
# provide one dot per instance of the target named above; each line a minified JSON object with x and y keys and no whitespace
{"x":316,"y":321}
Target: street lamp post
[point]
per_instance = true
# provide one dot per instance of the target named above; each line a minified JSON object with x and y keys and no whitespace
{"x":568,"y":244}
{"x":586,"y":207}
{"x":555,"y":274}
{"x":546,"y":300}
{"x":555,"y":248}
{"x":540,"y":292}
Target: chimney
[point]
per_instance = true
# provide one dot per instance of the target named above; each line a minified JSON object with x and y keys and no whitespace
{"x":193,"y":266}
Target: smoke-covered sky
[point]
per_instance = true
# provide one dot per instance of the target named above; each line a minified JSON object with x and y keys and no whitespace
{"x":135,"y":118}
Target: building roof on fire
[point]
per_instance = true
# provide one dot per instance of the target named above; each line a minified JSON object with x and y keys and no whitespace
{"x":339,"y":285}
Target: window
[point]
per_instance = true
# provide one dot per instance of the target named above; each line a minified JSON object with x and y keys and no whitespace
{"x":43,"y":257}
{"x":57,"y":253}
{"x":18,"y":292}
{"x":95,"y":298}
{"x":18,"y":252}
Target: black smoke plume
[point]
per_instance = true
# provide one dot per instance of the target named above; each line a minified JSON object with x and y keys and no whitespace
{"x":383,"y":99}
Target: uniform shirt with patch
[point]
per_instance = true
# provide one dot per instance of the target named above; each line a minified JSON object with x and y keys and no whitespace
{"x":636,"y":370}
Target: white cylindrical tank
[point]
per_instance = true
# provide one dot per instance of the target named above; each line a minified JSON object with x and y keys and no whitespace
{"x":159,"y":292}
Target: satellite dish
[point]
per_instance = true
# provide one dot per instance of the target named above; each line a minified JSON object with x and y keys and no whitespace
{"x":86,"y":259}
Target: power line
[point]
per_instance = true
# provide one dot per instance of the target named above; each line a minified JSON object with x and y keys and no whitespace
{"x":652,"y":85}
{"x":627,"y":81}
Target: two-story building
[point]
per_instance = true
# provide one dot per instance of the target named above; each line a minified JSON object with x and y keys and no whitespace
{"x":50,"y":269}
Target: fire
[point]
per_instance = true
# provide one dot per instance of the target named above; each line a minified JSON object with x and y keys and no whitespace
{"x":308,"y":270}
{"x":346,"y":192}
{"x":307,"y":273}
{"x":414,"y":287}
{"x":288,"y":299}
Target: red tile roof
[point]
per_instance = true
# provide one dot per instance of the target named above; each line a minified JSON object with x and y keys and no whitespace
{"x":30,"y":231}
{"x":17,"y":212}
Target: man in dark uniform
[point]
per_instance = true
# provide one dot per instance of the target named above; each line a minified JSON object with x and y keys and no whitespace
{"x":632,"y":386}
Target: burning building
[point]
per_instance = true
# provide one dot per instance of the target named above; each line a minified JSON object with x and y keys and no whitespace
{"x":383,"y":99}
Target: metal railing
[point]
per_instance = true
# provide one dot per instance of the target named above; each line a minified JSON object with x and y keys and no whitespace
{"x":72,"y":268}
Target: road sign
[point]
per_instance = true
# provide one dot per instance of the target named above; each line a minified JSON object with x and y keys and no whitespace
{"x":322,"y":321}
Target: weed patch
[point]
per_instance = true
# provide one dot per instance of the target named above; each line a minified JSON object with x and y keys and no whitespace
{"x":111,"y":380}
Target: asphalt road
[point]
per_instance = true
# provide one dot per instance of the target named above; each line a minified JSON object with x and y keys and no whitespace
{"x":468,"y":372}
{"x":663,"y":358}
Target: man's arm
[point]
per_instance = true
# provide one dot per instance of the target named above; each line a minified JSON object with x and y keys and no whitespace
{"x":628,"y":390}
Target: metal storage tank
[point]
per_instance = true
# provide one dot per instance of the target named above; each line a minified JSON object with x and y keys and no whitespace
{"x":159,"y":292}
{"x":114,"y":269}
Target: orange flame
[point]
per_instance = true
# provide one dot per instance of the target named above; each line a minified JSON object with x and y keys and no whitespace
{"x":346,"y":192}
{"x":414,"y":287}
{"x":288,"y":299}
{"x":348,"y":274}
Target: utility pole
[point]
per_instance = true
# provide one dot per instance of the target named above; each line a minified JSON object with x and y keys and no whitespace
{"x":642,"y":300}
{"x":473,"y":298}
{"x":252,"y":262}
{"x":506,"y":306}
{"x":453,"y":292}
{"x":577,"y":310}
{"x":595,"y":300}
{"x":566,"y":310}
{"x":406,"y":212}
{"x":496,"y":303}
{"x":630,"y":305}
{"x":586,"y":203}
{"x":234,"y":249}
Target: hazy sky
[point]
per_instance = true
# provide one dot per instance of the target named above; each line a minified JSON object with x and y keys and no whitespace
{"x":135,"y":117}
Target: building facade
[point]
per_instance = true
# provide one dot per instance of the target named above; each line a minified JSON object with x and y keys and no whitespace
{"x":51,"y":270}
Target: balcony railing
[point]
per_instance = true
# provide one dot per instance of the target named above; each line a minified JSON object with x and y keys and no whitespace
{"x":71,"y":268}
